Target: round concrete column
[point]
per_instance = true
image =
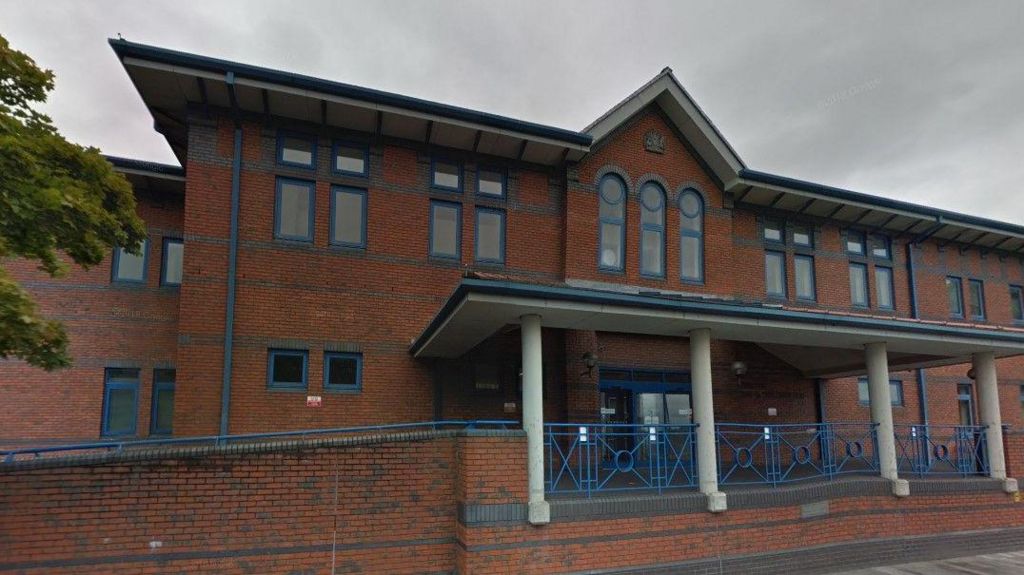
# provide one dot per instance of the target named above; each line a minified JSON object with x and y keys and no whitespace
{"x":533,"y":417}
{"x":704,"y":417}
{"x":988,"y":408}
{"x":881,"y":407}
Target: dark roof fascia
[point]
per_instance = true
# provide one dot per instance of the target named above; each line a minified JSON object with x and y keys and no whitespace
{"x":582,"y":295}
{"x":145,"y":166}
{"x":842,"y":195}
{"x":124,"y":49}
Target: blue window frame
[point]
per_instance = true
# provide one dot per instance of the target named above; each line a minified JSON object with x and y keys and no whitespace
{"x":296,"y":150}
{"x":489,"y":235}
{"x":955,"y":293}
{"x":162,"y":410}
{"x":855,"y":242}
{"x":775,"y":274}
{"x":350,"y":159}
{"x":859,"y":295}
{"x":884,"y":288}
{"x":803,"y":272}
{"x":348,"y":217}
{"x":774,"y":231}
{"x":881,"y":247}
{"x":611,"y":243}
{"x":803,"y":235}
{"x":446,"y":175}
{"x":691,"y":237}
{"x":287,"y":369}
{"x":976,"y":299}
{"x":1017,"y":303}
{"x":445,"y":230}
{"x":491,"y":182}
{"x":293,"y":209}
{"x":173,"y":258}
{"x":652,"y":230}
{"x":343,"y":372}
{"x":120,"y":401}
{"x":130,"y":268}
{"x":895,"y":392}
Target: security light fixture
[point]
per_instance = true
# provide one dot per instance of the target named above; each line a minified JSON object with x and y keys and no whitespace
{"x":740,"y":369}
{"x":590,"y":360}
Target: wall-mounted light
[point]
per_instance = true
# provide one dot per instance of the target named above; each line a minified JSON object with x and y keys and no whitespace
{"x":970,"y":373}
{"x":739,"y":369}
{"x":589,"y":359}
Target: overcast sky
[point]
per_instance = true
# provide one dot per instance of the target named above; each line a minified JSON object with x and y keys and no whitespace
{"x":921,"y":101}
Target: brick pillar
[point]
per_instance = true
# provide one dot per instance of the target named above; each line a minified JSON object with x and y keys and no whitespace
{"x":582,"y":396}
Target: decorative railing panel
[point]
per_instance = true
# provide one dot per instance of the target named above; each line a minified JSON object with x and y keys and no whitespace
{"x":941,"y":450}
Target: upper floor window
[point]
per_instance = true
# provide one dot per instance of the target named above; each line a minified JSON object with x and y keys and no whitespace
{"x":652,"y":230}
{"x":120,"y":401}
{"x":348,"y":217}
{"x":287,"y":369}
{"x":293,"y":216}
{"x":129,"y":267}
{"x":343,"y":371}
{"x":976,"y":298}
{"x":954,"y":291}
{"x":774,"y":231}
{"x":296,"y":150}
{"x":445,"y":229}
{"x":351,"y":160}
{"x":162,"y":412}
{"x":691,"y":236}
{"x":859,"y":285}
{"x":490,"y":182}
{"x":855,"y":242}
{"x":883,"y":287}
{"x":803,"y":268}
{"x":490,"y":235}
{"x":446,"y":175}
{"x":803,"y":236}
{"x":881,"y":247}
{"x":1017,"y":303}
{"x":170,"y":270}
{"x":775,"y":273}
{"x":611,"y":222}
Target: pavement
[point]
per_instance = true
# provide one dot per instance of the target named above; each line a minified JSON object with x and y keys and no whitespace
{"x":994,"y":564}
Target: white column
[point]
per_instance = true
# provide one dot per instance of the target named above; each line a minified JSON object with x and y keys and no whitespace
{"x":533,"y":417}
{"x":704,"y":417}
{"x":880,"y":397}
{"x":988,"y":407}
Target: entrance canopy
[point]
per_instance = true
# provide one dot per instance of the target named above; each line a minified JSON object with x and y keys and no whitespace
{"x":817,"y":343}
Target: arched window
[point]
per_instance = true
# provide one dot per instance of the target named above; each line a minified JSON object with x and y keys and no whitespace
{"x":612,"y":223}
{"x":691,"y":236}
{"x":652,"y":230}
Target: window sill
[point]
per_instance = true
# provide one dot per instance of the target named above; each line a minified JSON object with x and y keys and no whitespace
{"x":288,"y":389}
{"x":343,"y":391}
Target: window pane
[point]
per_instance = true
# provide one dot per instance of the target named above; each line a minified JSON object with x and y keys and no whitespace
{"x":342,"y":371}
{"x":491,"y":183}
{"x":802,"y":236}
{"x":611,"y":245}
{"x":1016,"y":306}
{"x":652,"y":204}
{"x":131,"y":267}
{"x":173,"y":252}
{"x":293,"y":221}
{"x":774,"y":274}
{"x":446,"y":175}
{"x":880,"y":247}
{"x":804,"y":270}
{"x":121,"y":411}
{"x":977,"y":300}
{"x":690,"y":254}
{"x":896,"y":393}
{"x":297,"y":150}
{"x":612,"y":195}
{"x":163,"y":376}
{"x":444,"y":235}
{"x":953,"y":293}
{"x":288,"y":369}
{"x":350,"y":159}
{"x":773,"y":231}
{"x":862,"y":391}
{"x":855,"y":242}
{"x":164,"y":413}
{"x":883,"y":287}
{"x":858,"y":285}
{"x":651,"y":262}
{"x":348,"y":218}
{"x":488,"y":234}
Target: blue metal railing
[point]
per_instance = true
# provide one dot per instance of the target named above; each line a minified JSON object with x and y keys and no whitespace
{"x":592,"y":458}
{"x":941,"y":450}
{"x":21,"y":454}
{"x":774,"y":454}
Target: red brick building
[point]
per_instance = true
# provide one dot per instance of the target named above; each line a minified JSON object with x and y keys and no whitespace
{"x":331,"y":256}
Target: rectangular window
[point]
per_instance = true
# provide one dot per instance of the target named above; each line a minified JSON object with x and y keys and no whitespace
{"x":976,"y":298}
{"x":954,"y":291}
{"x":863,"y":395}
{"x":1017,"y":303}
{"x":490,"y":182}
{"x":162,"y":413}
{"x":855,"y":242}
{"x":1022,"y":402}
{"x":170,"y":271}
{"x":343,"y":371}
{"x":895,"y":392}
{"x":348,"y":217}
{"x":351,"y":160}
{"x":287,"y":369}
{"x":881,"y":247}
{"x":773,"y":231}
{"x":293,"y":216}
{"x":859,"y":285}
{"x":803,"y":236}
{"x":883,"y":287}
{"x":445,"y":229}
{"x":120,"y":401}
{"x":775,"y":273}
{"x":296,"y":150}
{"x":803,"y":268}
{"x":446,"y":175}
{"x":128,"y":267}
{"x":490,"y":236}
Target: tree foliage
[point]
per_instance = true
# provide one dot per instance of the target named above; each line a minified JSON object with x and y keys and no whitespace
{"x":58,"y":201}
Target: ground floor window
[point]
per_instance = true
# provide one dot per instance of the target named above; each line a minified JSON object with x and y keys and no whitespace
{"x":163,"y":402}
{"x":895,"y":392}
{"x":645,"y":397}
{"x":120,"y":401}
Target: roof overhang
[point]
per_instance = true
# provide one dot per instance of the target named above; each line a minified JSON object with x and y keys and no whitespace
{"x":817,"y":344}
{"x":172,"y":82}
{"x":150,"y":176}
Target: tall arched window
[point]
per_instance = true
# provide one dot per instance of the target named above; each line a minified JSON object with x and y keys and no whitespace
{"x":691,"y":236}
{"x":652,"y":230}
{"x":612,"y":223}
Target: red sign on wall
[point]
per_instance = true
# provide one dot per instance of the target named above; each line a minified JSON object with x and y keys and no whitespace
{"x":314,"y":401}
